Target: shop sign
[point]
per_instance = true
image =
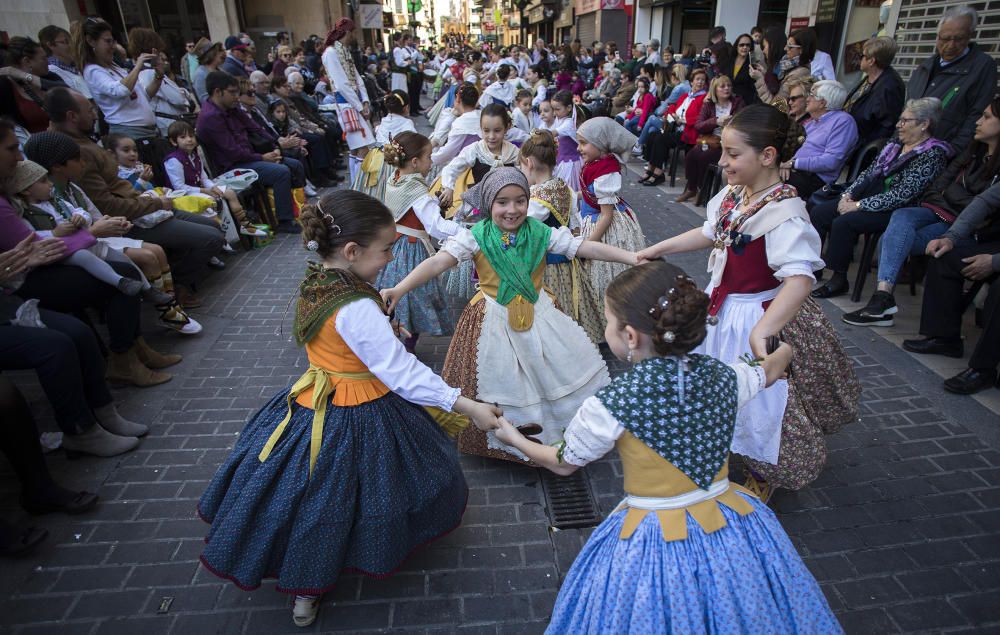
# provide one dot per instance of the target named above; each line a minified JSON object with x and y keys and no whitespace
{"x":370,"y":16}
{"x":798,"y":23}
{"x":826,"y":11}
{"x":589,"y":6}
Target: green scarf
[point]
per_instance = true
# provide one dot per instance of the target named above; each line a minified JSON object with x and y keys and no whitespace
{"x":321,"y":293}
{"x":514,"y":264}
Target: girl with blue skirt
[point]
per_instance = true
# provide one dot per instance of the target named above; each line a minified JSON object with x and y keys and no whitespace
{"x":686,"y":551}
{"x":347,"y":469}
{"x":418,"y":220}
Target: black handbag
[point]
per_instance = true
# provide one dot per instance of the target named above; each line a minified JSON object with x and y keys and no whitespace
{"x":826,"y":194}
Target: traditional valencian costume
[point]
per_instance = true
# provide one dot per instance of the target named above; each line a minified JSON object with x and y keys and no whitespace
{"x":512,"y":346}
{"x":781,"y":430}
{"x":343,"y":470}
{"x":554,"y":203}
{"x":686,"y":551}
{"x":424,"y":310}
{"x":375,"y":172}
{"x":600,"y":184}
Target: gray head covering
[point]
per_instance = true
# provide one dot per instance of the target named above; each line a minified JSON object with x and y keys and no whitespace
{"x":485,"y":192}
{"x":608,"y":136}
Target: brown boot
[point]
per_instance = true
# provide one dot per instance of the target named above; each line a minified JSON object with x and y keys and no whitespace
{"x":126,"y":369}
{"x":686,"y":196}
{"x":187,"y":298}
{"x":154,"y":359}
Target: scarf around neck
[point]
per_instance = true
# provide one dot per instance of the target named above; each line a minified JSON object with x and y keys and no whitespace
{"x":607,"y":164}
{"x":402,"y":190}
{"x":684,"y":409}
{"x":514,"y":261}
{"x":787,"y":64}
{"x":322,"y":292}
{"x":892,"y":158}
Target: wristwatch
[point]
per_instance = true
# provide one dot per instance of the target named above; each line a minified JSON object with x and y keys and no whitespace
{"x":28,"y":78}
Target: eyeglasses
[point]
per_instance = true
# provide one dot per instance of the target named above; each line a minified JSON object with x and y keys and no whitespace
{"x":743,"y":45}
{"x":794,"y":98}
{"x":953,"y":40}
{"x":906,"y":120}
{"x":793,"y":46}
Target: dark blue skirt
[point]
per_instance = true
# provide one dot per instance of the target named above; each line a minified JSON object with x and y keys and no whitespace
{"x":386,"y":481}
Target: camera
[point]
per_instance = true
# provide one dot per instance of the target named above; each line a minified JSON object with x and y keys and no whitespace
{"x":704,"y":59}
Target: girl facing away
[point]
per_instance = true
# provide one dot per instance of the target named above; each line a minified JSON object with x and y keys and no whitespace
{"x":606,"y":216}
{"x":345,"y":469}
{"x":418,"y":219}
{"x":764,"y":252}
{"x":512,"y":346}
{"x":686,"y":551}
{"x":555,"y":204}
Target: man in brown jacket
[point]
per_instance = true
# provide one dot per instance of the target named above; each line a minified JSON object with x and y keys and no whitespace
{"x":190,"y":240}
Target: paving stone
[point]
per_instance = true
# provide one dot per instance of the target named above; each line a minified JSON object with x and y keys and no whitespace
{"x":933,"y":583}
{"x":870,"y":591}
{"x":110,"y":603}
{"x":427,"y":612}
{"x":926,"y":615}
{"x":130,"y":626}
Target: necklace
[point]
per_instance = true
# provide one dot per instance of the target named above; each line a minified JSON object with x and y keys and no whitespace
{"x":746,"y":197}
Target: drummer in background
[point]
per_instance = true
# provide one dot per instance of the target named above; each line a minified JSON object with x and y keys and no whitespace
{"x":415,"y":78}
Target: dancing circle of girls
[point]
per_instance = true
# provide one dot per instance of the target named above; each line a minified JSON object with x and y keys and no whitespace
{"x":356,"y":464}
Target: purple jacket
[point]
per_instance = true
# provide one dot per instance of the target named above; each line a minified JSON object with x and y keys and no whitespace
{"x":829,"y":142}
{"x":225,"y":135}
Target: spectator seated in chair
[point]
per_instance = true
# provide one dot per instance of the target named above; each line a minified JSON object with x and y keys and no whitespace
{"x":912,"y":228}
{"x":969,"y":250}
{"x":897,"y":179}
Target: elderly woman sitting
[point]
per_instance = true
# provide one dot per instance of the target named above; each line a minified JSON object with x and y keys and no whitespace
{"x":911,"y":229}
{"x":876,"y":102}
{"x":679,"y":87}
{"x":897,"y":178}
{"x":831,"y":135}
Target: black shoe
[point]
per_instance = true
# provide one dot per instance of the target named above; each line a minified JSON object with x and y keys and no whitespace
{"x":215,"y":263}
{"x":20,"y":542}
{"x":656,"y":180}
{"x":935,"y":346}
{"x":321,"y":181}
{"x":878,"y":311}
{"x":970,"y":381}
{"x":831,"y":289}
{"x":819,"y":275}
{"x":288,"y":227}
{"x":332,"y":175}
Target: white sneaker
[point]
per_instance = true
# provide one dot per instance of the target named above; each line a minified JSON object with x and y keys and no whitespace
{"x":226,"y":247}
{"x":305,"y":609}
{"x":310,"y":190}
{"x":250,"y":230}
{"x":637,"y":150}
{"x":176,"y":319}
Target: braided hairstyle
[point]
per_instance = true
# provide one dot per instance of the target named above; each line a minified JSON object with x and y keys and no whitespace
{"x":467,"y":94}
{"x":658,"y":298}
{"x":405,"y":147}
{"x":763,"y":126}
{"x":341,"y":217}
{"x":540,"y":146}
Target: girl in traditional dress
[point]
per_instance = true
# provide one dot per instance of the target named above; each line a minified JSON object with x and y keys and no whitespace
{"x":511,"y":346}
{"x":501,"y":91}
{"x":375,"y":171}
{"x":555,"y":204}
{"x":524,"y":119}
{"x":458,"y":128}
{"x":346,"y":469}
{"x":472,"y":73}
{"x":606,"y":216}
{"x":569,"y":160}
{"x":764,"y":252}
{"x":475,"y":160}
{"x":686,"y":551}
{"x":353,"y":108}
{"x":418,"y":219}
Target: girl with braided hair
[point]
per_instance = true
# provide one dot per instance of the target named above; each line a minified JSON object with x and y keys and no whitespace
{"x":512,"y":346}
{"x":686,"y":551}
{"x":418,"y":219}
{"x":764,"y":252}
{"x":350,"y":467}
{"x":375,"y":171}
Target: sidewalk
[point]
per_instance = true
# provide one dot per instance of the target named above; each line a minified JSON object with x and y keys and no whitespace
{"x":902,"y":529}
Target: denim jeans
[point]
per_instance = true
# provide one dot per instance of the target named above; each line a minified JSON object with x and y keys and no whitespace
{"x":632,"y":125}
{"x":909,"y":231}
{"x":652,"y":123}
{"x":278,"y":177}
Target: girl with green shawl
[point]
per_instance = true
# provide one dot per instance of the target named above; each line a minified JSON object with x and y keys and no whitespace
{"x":512,"y":346}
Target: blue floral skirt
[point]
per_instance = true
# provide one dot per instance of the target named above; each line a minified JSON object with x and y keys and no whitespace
{"x":386,"y":481}
{"x":743,"y":578}
{"x":423,"y":310}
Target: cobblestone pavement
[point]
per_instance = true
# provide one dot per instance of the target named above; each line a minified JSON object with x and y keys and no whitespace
{"x":901,"y":529}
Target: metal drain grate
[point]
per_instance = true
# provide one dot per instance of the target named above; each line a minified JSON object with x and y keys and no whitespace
{"x":571,"y":504}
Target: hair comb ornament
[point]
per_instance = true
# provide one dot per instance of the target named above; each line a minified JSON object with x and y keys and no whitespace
{"x":334,"y":227}
{"x":312,"y":245}
{"x":398,"y":148}
{"x":711,"y":320}
{"x":668,"y":337}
